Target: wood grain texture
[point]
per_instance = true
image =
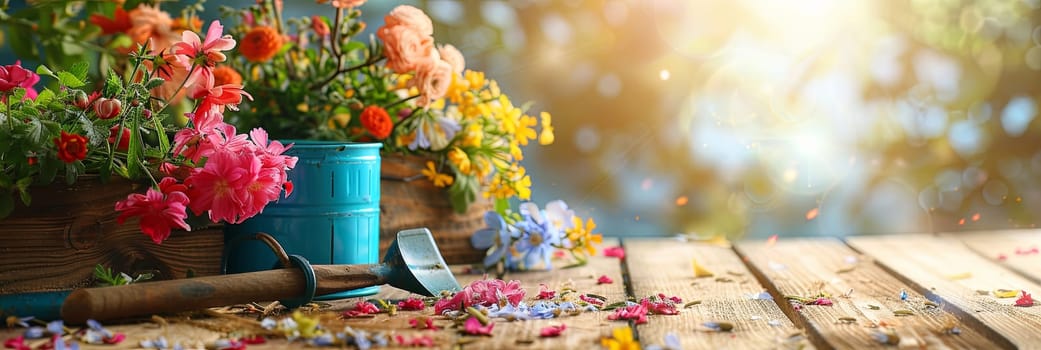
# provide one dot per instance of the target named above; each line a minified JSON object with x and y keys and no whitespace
{"x":409,"y":200}
{"x":665,"y":266}
{"x":945,"y":270}
{"x":583,"y":330}
{"x":1016,"y":250}
{"x":809,"y":266}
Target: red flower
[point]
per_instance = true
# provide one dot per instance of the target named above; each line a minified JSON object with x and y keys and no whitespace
{"x":13,"y":75}
{"x":319,"y":26}
{"x":604,"y":280}
{"x":253,"y":340}
{"x":423,"y":323}
{"x":412,"y":304}
{"x":16,"y":343}
{"x":552,"y":331}
{"x":71,"y":147}
{"x":376,"y":121}
{"x":1025,"y":300}
{"x":119,"y":23}
{"x":360,"y":309}
{"x":124,"y":137}
{"x":659,"y":307}
{"x":160,"y":210}
{"x":545,"y":293}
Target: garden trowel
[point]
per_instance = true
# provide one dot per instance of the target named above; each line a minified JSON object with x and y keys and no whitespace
{"x":412,"y":263}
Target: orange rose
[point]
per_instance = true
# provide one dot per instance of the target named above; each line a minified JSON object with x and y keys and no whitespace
{"x":432,"y":79}
{"x":260,"y":44}
{"x":406,"y":48}
{"x":410,"y":17}
{"x":224,"y":75}
{"x":453,"y":57}
{"x":376,"y":121}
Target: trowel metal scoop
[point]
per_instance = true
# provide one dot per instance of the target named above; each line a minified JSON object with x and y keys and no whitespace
{"x":412,"y":263}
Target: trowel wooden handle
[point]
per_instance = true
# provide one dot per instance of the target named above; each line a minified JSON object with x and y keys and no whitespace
{"x":197,"y":293}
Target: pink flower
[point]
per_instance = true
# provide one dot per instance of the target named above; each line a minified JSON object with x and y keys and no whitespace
{"x":410,"y":17}
{"x":342,"y":4}
{"x":13,"y":75}
{"x":1025,"y":300}
{"x":474,"y":327}
{"x":459,"y":301}
{"x":423,"y":323}
{"x":216,"y":97}
{"x":822,"y":302}
{"x":659,"y":307}
{"x":634,"y":312}
{"x":360,"y":309}
{"x":419,"y":340}
{"x":411,"y":304}
{"x":552,"y":331}
{"x":432,"y":79}
{"x":591,"y":300}
{"x":673,"y":299}
{"x":495,"y":291}
{"x":604,"y":280}
{"x":453,"y":57}
{"x":545,"y":293}
{"x":406,"y":48}
{"x":160,"y":210}
{"x":616,"y":252}
{"x":205,"y":54}
{"x":217,"y":187}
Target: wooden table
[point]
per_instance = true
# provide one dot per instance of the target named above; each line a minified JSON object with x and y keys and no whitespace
{"x":948,"y":279}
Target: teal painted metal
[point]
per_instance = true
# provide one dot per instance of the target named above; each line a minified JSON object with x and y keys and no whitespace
{"x":332,"y":216}
{"x":42,"y":305}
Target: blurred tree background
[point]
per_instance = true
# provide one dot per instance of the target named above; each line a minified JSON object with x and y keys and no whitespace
{"x":762,"y":117}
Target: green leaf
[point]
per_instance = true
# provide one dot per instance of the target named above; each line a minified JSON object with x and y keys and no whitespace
{"x":48,"y":170}
{"x":6,"y":204}
{"x":71,"y":173}
{"x":134,"y":150}
{"x":23,"y":189}
{"x":45,"y":97}
{"x":19,"y":94}
{"x":70,"y":80}
{"x":79,"y":69}
{"x":154,"y":83}
{"x":114,"y":85}
{"x":43,"y":70}
{"x":35,"y":131}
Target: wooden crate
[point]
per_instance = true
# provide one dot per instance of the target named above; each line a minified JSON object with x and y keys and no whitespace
{"x":56,"y":243}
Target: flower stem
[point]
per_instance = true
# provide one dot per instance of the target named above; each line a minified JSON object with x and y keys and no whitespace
{"x":166,"y":104}
{"x":413,"y":97}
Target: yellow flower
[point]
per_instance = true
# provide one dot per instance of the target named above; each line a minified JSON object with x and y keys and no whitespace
{"x":460,"y":160}
{"x":622,"y":340}
{"x":402,"y":82}
{"x":457,"y":89}
{"x":349,"y":93}
{"x":439,"y":180}
{"x":307,"y":326}
{"x":472,"y":136}
{"x":339,"y":120}
{"x":584,"y":235}
{"x":546,"y":137}
{"x":405,"y":139}
{"x":525,"y":129}
{"x":515,"y":151}
{"x":474,"y":78}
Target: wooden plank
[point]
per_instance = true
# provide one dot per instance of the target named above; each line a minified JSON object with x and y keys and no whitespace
{"x":946,"y":270}
{"x":1017,"y":250}
{"x":809,"y":266}
{"x":665,"y":266}
{"x":583,"y":330}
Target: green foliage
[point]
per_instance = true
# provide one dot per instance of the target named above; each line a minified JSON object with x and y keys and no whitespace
{"x":104,"y":276}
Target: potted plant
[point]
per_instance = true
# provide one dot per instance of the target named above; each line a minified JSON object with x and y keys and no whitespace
{"x":80,"y":157}
{"x":451,"y":140}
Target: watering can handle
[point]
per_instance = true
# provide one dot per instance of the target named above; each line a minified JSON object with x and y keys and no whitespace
{"x":202,"y":292}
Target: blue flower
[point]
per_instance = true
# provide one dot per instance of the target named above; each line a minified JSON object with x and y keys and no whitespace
{"x":158,"y":343}
{"x":498,"y":234}
{"x":56,"y":327}
{"x":545,"y":310}
{"x":510,"y":312}
{"x":672,"y":342}
{"x":538,"y":239}
{"x":33,"y":333}
{"x":421,"y":140}
{"x":449,"y":126}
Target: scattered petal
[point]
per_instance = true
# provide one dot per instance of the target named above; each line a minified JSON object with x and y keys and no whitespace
{"x":700,"y":271}
{"x":615,"y":252}
{"x":411,"y":304}
{"x":545,"y":293}
{"x":903,"y":294}
{"x":604,"y":280}
{"x":774,"y":323}
{"x":1025,"y":300}
{"x":638,"y":313}
{"x":764,"y":295}
{"x":719,"y":326}
{"x":423,"y":323}
{"x":1005,"y":293}
{"x":473,"y":326}
{"x":822,"y":302}
{"x":552,"y":331}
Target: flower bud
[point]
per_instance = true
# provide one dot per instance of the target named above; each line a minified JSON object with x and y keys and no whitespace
{"x":107,"y":108}
{"x":147,"y":114}
{"x":80,"y":99}
{"x":120,"y":137}
{"x":135,"y":102}
{"x":355,"y":105}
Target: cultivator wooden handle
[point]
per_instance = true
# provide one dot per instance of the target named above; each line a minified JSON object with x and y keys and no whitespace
{"x":197,"y":293}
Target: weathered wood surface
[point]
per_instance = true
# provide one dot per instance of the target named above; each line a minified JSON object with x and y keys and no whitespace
{"x":49,"y":258}
{"x":941,"y":269}
{"x":1018,"y":250}
{"x":946,"y":271}
{"x":657,"y":266}
{"x":807,"y":267}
